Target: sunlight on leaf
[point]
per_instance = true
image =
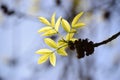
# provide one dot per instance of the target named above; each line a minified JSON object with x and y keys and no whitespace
{"x":44,"y":29}
{"x":69,"y":36}
{"x":78,"y":25}
{"x":60,"y":43}
{"x":42,"y":59}
{"x":50,"y":42}
{"x":53,"y":59}
{"x":66,"y":25}
{"x":73,"y":31}
{"x":76,"y":18}
{"x":58,"y":23}
{"x":44,"y":20}
{"x":44,"y":51}
{"x":49,"y":33}
{"x":53,"y":20}
{"x":62,"y":52}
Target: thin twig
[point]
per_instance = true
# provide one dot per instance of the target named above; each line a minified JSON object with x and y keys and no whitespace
{"x":107,"y":40}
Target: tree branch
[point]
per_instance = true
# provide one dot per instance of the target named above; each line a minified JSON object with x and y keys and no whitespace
{"x":107,"y":40}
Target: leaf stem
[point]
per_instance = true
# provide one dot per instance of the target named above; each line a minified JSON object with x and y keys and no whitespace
{"x":59,"y":48}
{"x":60,"y":35}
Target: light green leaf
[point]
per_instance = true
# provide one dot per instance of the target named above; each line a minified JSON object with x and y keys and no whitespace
{"x":58,"y":23}
{"x":43,"y":59}
{"x":53,"y":20}
{"x":53,"y":59}
{"x":73,"y":31}
{"x":61,"y":43}
{"x":49,"y":33}
{"x":50,"y":42}
{"x":78,"y":25}
{"x":62,"y":52}
{"x":76,"y":18}
{"x":44,"y":20}
{"x":44,"y":51}
{"x":66,"y":25}
{"x":44,"y":29}
{"x":69,"y":36}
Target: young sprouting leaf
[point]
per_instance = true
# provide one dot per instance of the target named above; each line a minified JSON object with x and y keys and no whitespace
{"x":76,"y":18}
{"x":66,"y":25}
{"x":58,"y":23}
{"x":43,"y":59}
{"x":53,"y":59}
{"x":44,"y":51}
{"x":78,"y":25}
{"x":50,"y":42}
{"x":69,"y":36}
{"x":44,"y":29}
{"x":49,"y":33}
{"x":62,"y":52}
{"x":44,"y":20}
{"x":53,"y":20}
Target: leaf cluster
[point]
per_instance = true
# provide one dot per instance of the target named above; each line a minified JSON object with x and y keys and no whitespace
{"x":51,"y":28}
